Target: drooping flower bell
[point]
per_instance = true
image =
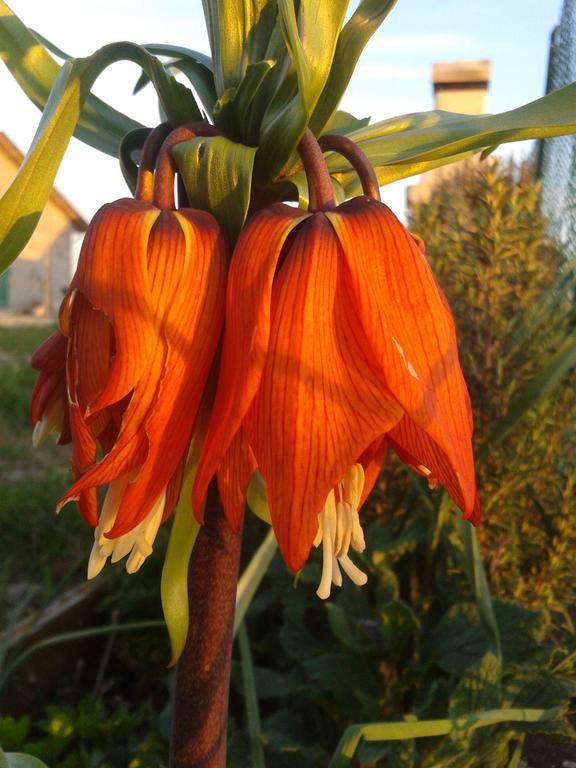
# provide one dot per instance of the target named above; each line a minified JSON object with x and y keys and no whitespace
{"x":140,"y":323}
{"x":338,"y":343}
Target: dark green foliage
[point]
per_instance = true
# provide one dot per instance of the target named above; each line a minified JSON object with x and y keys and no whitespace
{"x":88,"y":736}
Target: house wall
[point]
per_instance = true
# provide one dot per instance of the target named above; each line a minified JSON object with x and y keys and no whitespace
{"x":39,"y":277}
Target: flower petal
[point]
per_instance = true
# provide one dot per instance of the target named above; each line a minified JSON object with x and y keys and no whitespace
{"x":372,"y":461}
{"x":246,"y":333}
{"x":424,"y":456}
{"x":190,"y":321}
{"x":409,"y":326}
{"x":113,"y":276}
{"x":320,"y":402}
{"x":50,"y":356}
{"x":234,"y":473}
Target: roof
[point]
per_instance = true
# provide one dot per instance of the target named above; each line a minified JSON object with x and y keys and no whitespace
{"x":10,"y":150}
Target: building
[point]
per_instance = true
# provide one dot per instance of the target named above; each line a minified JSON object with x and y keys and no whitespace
{"x":459,"y":86}
{"x":37,"y":280}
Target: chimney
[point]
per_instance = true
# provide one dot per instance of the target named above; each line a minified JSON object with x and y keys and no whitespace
{"x":461,"y":86}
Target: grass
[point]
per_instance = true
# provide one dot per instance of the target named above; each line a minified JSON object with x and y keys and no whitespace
{"x":31,"y":481}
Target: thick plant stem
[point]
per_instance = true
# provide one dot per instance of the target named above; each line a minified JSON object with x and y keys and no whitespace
{"x":357,"y":159}
{"x":317,"y":175}
{"x":203,"y":672}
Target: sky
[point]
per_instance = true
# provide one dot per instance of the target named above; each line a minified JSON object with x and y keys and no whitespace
{"x":393,"y":76}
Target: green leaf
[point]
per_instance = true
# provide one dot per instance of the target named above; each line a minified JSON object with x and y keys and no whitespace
{"x":458,"y":639}
{"x":251,"y":700}
{"x":252,"y":576}
{"x":239,"y":33}
{"x":311,"y":41}
{"x":35,"y":71}
{"x":234,"y":111}
{"x":357,"y":31}
{"x":540,"y":387}
{"x":131,"y":142}
{"x":19,"y":760}
{"x":185,"y":528}
{"x":22,"y":205}
{"x":478,"y":689}
{"x":343,"y":123}
{"x":256,"y":497}
{"x":217,"y":174}
{"x":442,"y":136}
{"x":398,"y":623}
{"x":418,"y":729}
{"x":13,"y":732}
{"x":179,"y":52}
{"x":199,"y":75}
{"x":474,"y":567}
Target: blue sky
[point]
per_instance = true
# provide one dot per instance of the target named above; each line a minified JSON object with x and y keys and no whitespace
{"x":392,"y":78}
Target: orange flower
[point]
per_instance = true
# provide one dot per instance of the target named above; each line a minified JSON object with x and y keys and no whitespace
{"x":338,"y":342}
{"x":48,"y":411}
{"x":142,"y":318}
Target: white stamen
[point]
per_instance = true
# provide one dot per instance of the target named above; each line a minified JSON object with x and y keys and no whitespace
{"x":137,"y":543}
{"x":424,"y":470}
{"x":338,"y":530}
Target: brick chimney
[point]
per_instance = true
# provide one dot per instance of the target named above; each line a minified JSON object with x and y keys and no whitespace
{"x":461,"y":86}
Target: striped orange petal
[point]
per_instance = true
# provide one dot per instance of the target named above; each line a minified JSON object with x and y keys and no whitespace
{"x":410,"y":331}
{"x":320,"y":402}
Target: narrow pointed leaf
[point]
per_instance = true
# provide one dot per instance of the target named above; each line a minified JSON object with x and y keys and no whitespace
{"x":251,"y":699}
{"x":356,"y":33}
{"x":252,"y":575}
{"x":22,"y":205}
{"x":239,"y":34}
{"x":217,"y":173}
{"x":35,"y":71}
{"x":199,"y":75}
{"x":19,"y":760}
{"x":541,"y":386}
{"x":235,"y":110}
{"x":437,"y":136}
{"x":132,"y":141}
{"x":418,"y":729}
{"x":179,"y":52}
{"x":476,"y":573}
{"x":311,"y":41}
{"x":174,"y":584}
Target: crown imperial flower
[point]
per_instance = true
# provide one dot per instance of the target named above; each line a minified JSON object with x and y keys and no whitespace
{"x":338,"y":343}
{"x":139,"y":329}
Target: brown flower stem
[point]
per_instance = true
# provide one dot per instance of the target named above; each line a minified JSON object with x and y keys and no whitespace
{"x":317,"y":175}
{"x":357,"y":159}
{"x":200,"y":712}
{"x":166,"y":167}
{"x":148,"y":155}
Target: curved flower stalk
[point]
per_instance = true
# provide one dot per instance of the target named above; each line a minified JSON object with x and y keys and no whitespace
{"x":338,"y":343}
{"x":139,"y":329}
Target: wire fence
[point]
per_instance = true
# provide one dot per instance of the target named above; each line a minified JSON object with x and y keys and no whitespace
{"x":556,"y":158}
